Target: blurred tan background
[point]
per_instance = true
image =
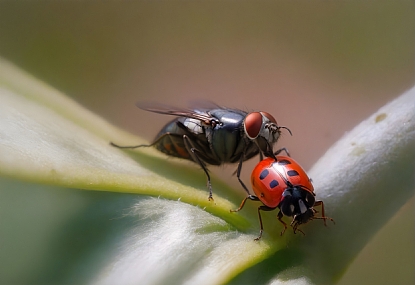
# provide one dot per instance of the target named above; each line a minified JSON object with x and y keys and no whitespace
{"x":319,"y":67}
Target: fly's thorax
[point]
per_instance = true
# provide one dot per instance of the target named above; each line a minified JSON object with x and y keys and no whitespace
{"x":194,"y":125}
{"x":229,"y":117}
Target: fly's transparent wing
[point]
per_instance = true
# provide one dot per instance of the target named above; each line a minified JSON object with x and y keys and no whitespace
{"x":198,"y":114}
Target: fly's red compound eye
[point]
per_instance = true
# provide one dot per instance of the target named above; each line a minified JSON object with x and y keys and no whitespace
{"x":253,"y":124}
{"x":269,"y":117}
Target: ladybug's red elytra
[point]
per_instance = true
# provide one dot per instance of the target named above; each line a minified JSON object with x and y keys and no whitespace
{"x":280,"y":182}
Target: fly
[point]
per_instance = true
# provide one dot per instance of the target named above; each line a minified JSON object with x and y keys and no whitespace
{"x":214,"y":135}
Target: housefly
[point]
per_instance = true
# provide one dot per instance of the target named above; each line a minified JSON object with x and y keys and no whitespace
{"x":214,"y":135}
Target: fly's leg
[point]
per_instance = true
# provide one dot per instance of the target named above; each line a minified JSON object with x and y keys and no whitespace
{"x":281,"y":150}
{"x":270,"y":153}
{"x":274,"y":154}
{"x":193,"y":152}
{"x":238,"y":174}
{"x":147,"y":145}
{"x":261,"y":155}
{"x":132,"y":146}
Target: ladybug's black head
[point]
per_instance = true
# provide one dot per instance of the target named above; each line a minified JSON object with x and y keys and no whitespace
{"x":298,"y":203}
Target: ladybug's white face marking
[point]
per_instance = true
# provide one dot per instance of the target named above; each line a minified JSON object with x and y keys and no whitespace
{"x":303,"y":207}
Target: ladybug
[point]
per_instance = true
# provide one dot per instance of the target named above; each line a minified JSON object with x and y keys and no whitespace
{"x":214,"y":135}
{"x":280,"y":182}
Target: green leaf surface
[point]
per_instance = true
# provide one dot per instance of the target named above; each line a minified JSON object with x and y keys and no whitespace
{"x":171,"y":233}
{"x":47,"y":138}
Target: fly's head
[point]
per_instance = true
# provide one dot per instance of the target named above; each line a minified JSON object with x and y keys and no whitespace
{"x":263,"y":128}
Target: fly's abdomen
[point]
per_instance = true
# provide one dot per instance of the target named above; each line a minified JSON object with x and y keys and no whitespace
{"x":170,"y":140}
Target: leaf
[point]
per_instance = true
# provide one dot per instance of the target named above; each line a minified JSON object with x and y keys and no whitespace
{"x":48,"y":139}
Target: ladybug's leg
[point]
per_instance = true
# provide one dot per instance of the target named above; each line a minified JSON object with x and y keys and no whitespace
{"x":297,"y":229}
{"x":279,"y":216}
{"x":263,"y":208}
{"x":147,"y":145}
{"x":294,"y":224}
{"x":320,"y":203}
{"x":193,"y":152}
{"x":252,"y":197}
{"x":323,"y":216}
{"x":238,"y":174}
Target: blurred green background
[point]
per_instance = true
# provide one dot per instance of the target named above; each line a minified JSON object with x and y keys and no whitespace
{"x":320,"y":67}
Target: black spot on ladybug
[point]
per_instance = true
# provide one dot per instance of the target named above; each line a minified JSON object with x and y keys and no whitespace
{"x":284,"y":162}
{"x":292,"y":173}
{"x":273,"y":183}
{"x":264,"y":174}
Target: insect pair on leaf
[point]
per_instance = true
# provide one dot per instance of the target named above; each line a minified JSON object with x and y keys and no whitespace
{"x":213,"y":135}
